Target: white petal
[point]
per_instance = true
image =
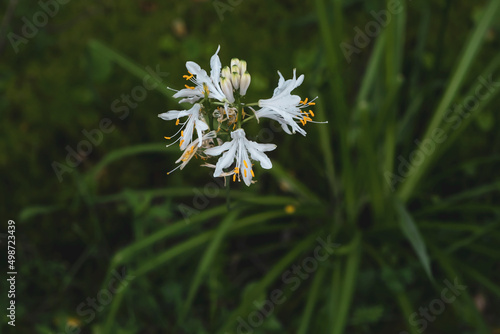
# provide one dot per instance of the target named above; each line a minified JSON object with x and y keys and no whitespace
{"x":265,"y":162}
{"x":173,"y":114}
{"x":245,"y":171}
{"x":200,"y":127}
{"x":216,"y":66}
{"x":225,"y":161}
{"x":217,"y":150}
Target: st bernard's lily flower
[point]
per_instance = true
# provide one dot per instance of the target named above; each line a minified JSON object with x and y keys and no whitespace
{"x":194,"y":121}
{"x":219,"y":114}
{"x":237,"y":151}
{"x":285,"y":107}
{"x":192,"y":149}
{"x":204,"y":85}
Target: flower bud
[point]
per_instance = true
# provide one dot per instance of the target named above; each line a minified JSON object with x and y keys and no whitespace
{"x":227,"y":89}
{"x":235,"y":79}
{"x":243,"y":67}
{"x":226,"y":72}
{"x":234,"y":61}
{"x":244,"y":83}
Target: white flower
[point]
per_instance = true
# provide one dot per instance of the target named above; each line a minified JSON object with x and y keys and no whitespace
{"x":237,"y":151}
{"x":192,"y":149}
{"x":204,"y":84}
{"x":285,"y":107}
{"x":194,"y":121}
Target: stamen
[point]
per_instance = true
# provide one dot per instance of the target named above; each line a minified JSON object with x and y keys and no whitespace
{"x":188,"y":87}
{"x":177,"y":122}
{"x":234,"y":177}
{"x":308,"y":119}
{"x":167,"y":138}
{"x":168,"y":173}
{"x":182,"y":133}
{"x":188,"y":77}
{"x":182,"y":141}
{"x":245,"y":162}
{"x":305,"y":101}
{"x":312,"y":103}
{"x":236,"y":170}
{"x":312,"y":114}
{"x":251,"y":171}
{"x":245,"y":172}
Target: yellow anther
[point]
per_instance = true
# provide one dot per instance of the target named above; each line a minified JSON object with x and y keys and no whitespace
{"x":177,"y":122}
{"x":305,"y":101}
{"x":188,"y":77}
{"x":234,"y":126}
{"x":308,"y":119}
{"x":289,"y":209}
{"x":167,"y":137}
{"x":245,"y":172}
{"x":180,"y":144}
{"x":234,"y":177}
{"x":312,"y":114}
{"x":251,"y":171}
{"x":245,"y":162}
{"x":236,"y":170}
{"x":188,"y":87}
{"x":303,"y":122}
{"x":182,"y":133}
{"x":243,"y":113}
{"x":312,"y":103}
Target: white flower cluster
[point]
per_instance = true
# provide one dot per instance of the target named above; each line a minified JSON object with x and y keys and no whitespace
{"x":218,"y":113}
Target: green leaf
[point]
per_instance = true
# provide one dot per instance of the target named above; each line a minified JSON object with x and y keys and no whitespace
{"x":208,"y":258}
{"x":411,"y":232}
{"x":312,"y":300}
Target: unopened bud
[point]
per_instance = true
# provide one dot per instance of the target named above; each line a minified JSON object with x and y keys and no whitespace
{"x":226,"y":72}
{"x":243,"y":66}
{"x":235,"y":79}
{"x":227,"y":89}
{"x":244,"y":83}
{"x":234,"y":61}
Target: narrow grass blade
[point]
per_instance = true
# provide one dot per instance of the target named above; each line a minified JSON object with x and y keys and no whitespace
{"x":126,"y":152}
{"x":348,"y":286}
{"x":129,"y":65}
{"x":456,"y":81}
{"x":126,"y":254}
{"x":312,"y":300}
{"x":411,"y":232}
{"x":247,"y":306}
{"x":208,"y":258}
{"x":468,"y":307}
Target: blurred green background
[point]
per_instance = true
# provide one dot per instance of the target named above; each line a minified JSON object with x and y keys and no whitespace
{"x":193,"y":265}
